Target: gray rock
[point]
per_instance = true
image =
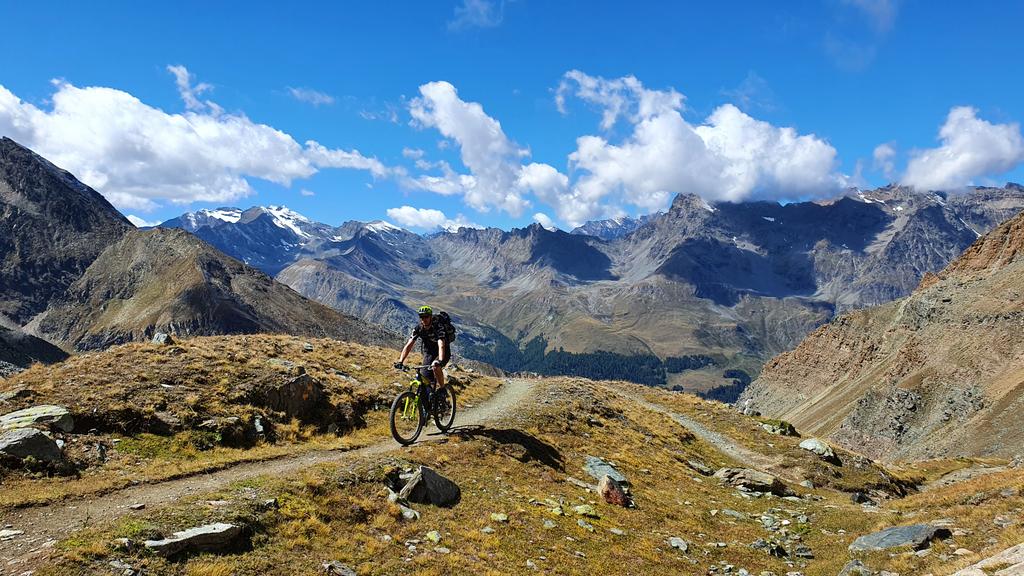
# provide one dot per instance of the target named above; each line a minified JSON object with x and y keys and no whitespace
{"x":208,"y":538}
{"x":700,"y":467}
{"x":807,"y":484}
{"x":408,"y":513}
{"x":335,"y":568}
{"x":823,"y":450}
{"x":856,"y":568}
{"x":8,"y":534}
{"x":862,"y":498}
{"x":162,"y":338}
{"x":24,"y":442}
{"x":428,"y":487}
{"x":45,"y":415}
{"x":917,"y":536}
{"x":679,"y":544}
{"x":123,"y":568}
{"x":779,"y":427}
{"x":307,"y":347}
{"x":598,"y":468}
{"x":297,"y":397}
{"x":752,"y":480}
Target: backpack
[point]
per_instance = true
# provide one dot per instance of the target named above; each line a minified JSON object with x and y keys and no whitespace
{"x":444,"y":323}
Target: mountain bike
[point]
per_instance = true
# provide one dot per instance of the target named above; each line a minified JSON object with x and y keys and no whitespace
{"x":411,"y":409}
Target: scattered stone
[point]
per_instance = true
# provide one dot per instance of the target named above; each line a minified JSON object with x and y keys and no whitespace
{"x":802,"y":551}
{"x":209,"y":538}
{"x":428,"y":487}
{"x":408,"y":513}
{"x":598,"y":468}
{"x":307,"y":347}
{"x":489,"y":530}
{"x":123,"y":568}
{"x":335,"y":568}
{"x":617,"y":531}
{"x":162,"y":339}
{"x":434,"y":536}
{"x":586,"y":510}
{"x":917,"y":536}
{"x":612,"y":492}
{"x":779,"y":428}
{"x":862,"y":498}
{"x":531,"y":564}
{"x":579,"y":483}
{"x":499,"y":517}
{"x":734,"y":514}
{"x":752,"y":480}
{"x":548,"y":525}
{"x":138,"y":506}
{"x":585,"y":525}
{"x":807,"y":484}
{"x":679,"y":544}
{"x":442,"y":550}
{"x":10,"y":534}
{"x":823,"y":450}
{"x":771,"y":547}
{"x":700,"y":467}
{"x":1009,"y":562}
{"x":44,"y":415}
{"x":962,"y":552}
{"x":25,"y":442}
{"x":122,"y":544}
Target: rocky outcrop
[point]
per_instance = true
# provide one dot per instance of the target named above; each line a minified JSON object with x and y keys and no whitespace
{"x":28,"y":442}
{"x":752,"y":480}
{"x":1007,"y":563}
{"x":56,"y":417}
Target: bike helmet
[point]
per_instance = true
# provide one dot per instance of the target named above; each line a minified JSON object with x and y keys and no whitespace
{"x":425,"y":311}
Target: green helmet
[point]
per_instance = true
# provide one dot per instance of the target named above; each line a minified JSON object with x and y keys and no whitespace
{"x":425,"y":311}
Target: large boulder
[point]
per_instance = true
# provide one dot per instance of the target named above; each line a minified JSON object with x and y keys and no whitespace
{"x":613,"y":492}
{"x":917,"y":536}
{"x":823,"y":450}
{"x":44,"y":415}
{"x":299,"y":397}
{"x":24,"y":442}
{"x":752,"y":480}
{"x":597,"y":468}
{"x":428,"y":487}
{"x":208,"y":538}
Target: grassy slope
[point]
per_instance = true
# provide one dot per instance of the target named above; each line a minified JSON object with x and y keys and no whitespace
{"x":333,"y":513}
{"x":193,"y":381}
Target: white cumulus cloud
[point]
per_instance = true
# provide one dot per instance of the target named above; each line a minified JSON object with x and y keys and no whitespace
{"x":545,"y":221}
{"x":428,"y":219}
{"x":730,"y":156}
{"x":970,"y":148}
{"x":139,"y":156}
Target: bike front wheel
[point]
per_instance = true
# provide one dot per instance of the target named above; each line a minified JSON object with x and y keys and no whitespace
{"x":406,"y":418}
{"x":444,"y":408}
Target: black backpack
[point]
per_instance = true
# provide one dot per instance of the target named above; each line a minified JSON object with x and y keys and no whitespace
{"x":444,"y":323}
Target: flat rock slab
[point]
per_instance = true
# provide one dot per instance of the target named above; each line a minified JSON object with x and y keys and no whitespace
{"x":44,"y":415}
{"x":917,"y":536}
{"x":752,"y":480}
{"x":597,"y":468}
{"x":25,"y":442}
{"x":209,"y":538}
{"x":428,"y":487}
{"x":1009,"y":562}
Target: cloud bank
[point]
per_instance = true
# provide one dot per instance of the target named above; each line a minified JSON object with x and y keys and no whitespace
{"x":139,"y":156}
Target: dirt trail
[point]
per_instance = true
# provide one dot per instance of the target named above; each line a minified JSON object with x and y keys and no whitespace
{"x":722,"y":443}
{"x":42,"y":525}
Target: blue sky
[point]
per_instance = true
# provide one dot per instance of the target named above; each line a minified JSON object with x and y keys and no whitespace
{"x":502,"y":113}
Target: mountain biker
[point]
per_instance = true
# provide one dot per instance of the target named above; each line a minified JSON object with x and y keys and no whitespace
{"x":435,"y":347}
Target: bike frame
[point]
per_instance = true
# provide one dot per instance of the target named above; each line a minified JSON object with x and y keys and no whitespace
{"x":417,"y":386}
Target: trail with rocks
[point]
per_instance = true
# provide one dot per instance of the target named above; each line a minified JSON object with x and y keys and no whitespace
{"x":722,"y":443}
{"x":41,"y":526}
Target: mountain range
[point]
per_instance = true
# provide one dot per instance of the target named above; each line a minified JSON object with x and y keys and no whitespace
{"x":940,"y":372}
{"x":696,"y":297}
{"x":75,"y":274}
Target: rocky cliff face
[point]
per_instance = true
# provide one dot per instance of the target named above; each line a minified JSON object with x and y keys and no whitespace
{"x":51,"y":228}
{"x":938,"y":373}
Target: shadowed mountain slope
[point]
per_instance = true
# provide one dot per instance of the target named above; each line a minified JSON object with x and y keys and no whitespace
{"x":939,"y":373}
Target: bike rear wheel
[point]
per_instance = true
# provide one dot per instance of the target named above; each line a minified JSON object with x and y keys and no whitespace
{"x":406,"y":418}
{"x":444,"y":408}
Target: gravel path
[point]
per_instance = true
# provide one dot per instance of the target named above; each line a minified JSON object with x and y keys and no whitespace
{"x":722,"y":443}
{"x":44,"y":525}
